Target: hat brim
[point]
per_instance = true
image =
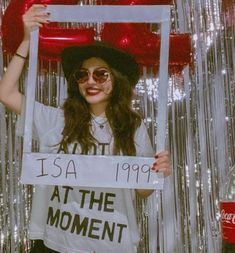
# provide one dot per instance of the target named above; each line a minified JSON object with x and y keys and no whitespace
{"x":120,"y":60}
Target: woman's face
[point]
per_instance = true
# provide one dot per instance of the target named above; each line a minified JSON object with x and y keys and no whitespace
{"x":95,"y":82}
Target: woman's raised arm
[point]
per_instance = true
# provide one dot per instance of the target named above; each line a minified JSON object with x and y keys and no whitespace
{"x":10,"y":96}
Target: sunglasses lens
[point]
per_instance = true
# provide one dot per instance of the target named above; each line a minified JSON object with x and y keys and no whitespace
{"x":81,"y":76}
{"x":100,"y":75}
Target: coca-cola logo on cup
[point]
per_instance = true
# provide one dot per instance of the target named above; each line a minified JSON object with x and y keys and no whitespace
{"x":227,"y":217}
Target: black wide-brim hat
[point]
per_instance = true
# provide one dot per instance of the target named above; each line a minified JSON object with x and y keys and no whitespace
{"x":118,"y":59}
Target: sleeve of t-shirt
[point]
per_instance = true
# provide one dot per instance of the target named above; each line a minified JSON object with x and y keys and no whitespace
{"x":142,"y":142}
{"x":45,"y":118}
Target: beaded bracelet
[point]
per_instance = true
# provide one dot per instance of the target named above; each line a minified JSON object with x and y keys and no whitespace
{"x":21,"y":56}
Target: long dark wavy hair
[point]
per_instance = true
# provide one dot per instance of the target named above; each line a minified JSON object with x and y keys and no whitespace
{"x":122,"y":118}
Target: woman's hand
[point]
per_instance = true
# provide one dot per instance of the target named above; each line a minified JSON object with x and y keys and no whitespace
{"x":34,"y":18}
{"x":162,"y":163}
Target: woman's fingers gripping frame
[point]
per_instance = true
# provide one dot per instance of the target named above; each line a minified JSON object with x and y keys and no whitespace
{"x":35,"y":17}
{"x":162,"y":163}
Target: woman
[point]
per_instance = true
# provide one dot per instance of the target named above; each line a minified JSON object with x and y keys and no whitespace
{"x":97,"y":118}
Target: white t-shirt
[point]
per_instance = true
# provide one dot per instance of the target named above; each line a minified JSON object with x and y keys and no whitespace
{"x":83,"y":220}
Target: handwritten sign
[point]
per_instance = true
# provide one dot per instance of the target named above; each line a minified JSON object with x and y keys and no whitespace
{"x":91,"y":171}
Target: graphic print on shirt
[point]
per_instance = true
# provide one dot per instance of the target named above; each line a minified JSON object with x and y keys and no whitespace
{"x":102,"y":147}
{"x":94,"y":216}
{"x":86,"y":226}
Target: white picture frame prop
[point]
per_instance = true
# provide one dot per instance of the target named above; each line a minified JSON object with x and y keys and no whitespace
{"x":110,"y":171}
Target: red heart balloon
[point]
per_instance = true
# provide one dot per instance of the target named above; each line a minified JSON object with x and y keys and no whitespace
{"x":52,"y":38}
{"x":52,"y":41}
{"x":145,"y":45}
{"x":12,"y":27}
{"x":125,"y":37}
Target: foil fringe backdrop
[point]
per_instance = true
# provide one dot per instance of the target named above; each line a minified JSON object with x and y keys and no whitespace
{"x":200,"y":136}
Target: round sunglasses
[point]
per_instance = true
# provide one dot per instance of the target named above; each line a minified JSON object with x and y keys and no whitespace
{"x":99,"y":75}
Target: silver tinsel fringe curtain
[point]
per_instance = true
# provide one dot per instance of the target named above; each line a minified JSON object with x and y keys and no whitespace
{"x":200,"y":136}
